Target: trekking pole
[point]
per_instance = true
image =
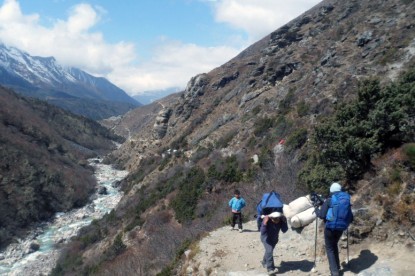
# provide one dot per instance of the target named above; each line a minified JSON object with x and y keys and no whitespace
{"x":347,"y":232}
{"x":315,"y":245}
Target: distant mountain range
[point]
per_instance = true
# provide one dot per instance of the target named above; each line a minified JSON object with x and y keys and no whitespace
{"x":66,"y":87}
{"x":148,"y":97}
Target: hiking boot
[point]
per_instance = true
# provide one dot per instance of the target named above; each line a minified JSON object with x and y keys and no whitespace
{"x":240,"y":230}
{"x":273,"y":271}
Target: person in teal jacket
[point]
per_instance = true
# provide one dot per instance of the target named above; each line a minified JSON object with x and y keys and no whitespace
{"x":237,"y":203}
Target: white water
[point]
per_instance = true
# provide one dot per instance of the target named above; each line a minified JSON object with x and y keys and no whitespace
{"x":17,"y":259}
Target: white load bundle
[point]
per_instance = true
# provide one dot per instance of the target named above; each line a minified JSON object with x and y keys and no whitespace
{"x":304,"y":218}
{"x":300,"y":204}
{"x":286,"y":210}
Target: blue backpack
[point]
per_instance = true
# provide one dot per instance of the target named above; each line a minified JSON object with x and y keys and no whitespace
{"x":339,"y":214}
{"x":270,"y":202}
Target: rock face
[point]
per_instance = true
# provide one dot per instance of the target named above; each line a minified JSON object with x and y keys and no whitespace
{"x":194,"y":89}
{"x":161,"y":124}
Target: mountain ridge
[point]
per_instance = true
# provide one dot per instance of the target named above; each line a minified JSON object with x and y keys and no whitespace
{"x":44,"y":78}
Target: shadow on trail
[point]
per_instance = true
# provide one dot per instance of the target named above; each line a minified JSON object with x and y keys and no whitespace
{"x":304,"y":265}
{"x":249,"y":230}
{"x":365,"y":260}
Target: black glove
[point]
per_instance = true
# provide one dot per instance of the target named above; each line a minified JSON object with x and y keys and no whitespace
{"x":316,"y":199}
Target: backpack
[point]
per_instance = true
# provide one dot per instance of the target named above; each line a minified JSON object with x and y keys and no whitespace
{"x":339,"y":214}
{"x":270,"y":202}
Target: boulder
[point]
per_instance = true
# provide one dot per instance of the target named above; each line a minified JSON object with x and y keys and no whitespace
{"x":102,"y":190}
{"x":34,"y":246}
{"x":364,"y":38}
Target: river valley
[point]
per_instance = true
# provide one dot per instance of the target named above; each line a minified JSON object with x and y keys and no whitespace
{"x":38,"y":252}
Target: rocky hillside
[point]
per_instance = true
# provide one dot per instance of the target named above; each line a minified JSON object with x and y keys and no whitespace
{"x":329,"y":96}
{"x":66,"y":87}
{"x":44,"y":169}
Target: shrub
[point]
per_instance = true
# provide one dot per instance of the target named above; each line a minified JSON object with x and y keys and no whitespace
{"x":223,"y":141}
{"x":380,"y":118}
{"x":303,"y":108}
{"x":116,"y":248}
{"x":256,"y":110}
{"x":409,"y":151}
{"x":190,"y":189}
{"x":262,"y":125}
{"x":285,"y":104}
{"x":296,"y":139}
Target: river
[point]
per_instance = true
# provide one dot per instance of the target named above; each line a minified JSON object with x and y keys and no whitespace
{"x":21,"y":258}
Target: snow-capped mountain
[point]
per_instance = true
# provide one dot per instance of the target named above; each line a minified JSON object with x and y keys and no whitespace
{"x":67,"y":87}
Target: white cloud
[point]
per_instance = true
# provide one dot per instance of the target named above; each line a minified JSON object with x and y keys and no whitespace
{"x":259,"y":17}
{"x":70,"y":41}
{"x":172,"y":65}
{"x":74,"y":42}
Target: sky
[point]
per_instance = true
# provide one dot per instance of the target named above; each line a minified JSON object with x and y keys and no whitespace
{"x":143,"y":45}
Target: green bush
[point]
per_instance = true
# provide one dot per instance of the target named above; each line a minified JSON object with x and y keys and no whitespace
{"x":256,"y":110}
{"x":409,"y":151}
{"x":285,"y":104}
{"x":343,"y":145}
{"x":303,"y":108}
{"x":296,"y":139}
{"x":223,"y":141}
{"x":281,"y":127}
{"x":262,"y":125}
{"x":229,"y":170}
{"x":190,"y":189}
{"x":116,"y":248}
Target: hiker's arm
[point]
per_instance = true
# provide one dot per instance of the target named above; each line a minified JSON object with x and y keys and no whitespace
{"x":264,"y":225}
{"x":321,"y":213}
{"x":284,"y":225}
{"x":243,"y":203}
{"x":230,"y":202}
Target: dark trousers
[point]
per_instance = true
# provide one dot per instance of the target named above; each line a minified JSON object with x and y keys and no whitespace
{"x":331,"y":239}
{"x":268,"y":259}
{"x":237,"y":217}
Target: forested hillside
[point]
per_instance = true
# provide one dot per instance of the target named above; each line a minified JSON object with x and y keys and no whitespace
{"x":43,"y":169}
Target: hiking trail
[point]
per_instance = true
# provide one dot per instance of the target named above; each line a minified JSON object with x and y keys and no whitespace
{"x":228,"y":252}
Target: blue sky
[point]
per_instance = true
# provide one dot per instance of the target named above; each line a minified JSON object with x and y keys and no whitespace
{"x":143,"y":45}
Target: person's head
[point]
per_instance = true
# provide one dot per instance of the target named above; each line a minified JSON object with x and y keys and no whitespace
{"x":335,"y":187}
{"x":275,"y":217}
{"x":237,"y":193}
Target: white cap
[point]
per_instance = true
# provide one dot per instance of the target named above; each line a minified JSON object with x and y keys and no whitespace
{"x":335,"y":187}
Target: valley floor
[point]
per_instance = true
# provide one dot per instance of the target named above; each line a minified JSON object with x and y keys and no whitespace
{"x":227,"y":252}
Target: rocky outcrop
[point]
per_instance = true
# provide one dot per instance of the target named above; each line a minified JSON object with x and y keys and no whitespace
{"x":224,"y":81}
{"x":161,"y":124}
{"x":190,"y":101}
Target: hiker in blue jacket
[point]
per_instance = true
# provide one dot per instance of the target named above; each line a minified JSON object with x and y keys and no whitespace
{"x":270,"y":228}
{"x":237,"y":203}
{"x":334,"y":227}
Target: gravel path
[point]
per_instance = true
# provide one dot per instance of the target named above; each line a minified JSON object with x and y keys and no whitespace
{"x":227,"y":252}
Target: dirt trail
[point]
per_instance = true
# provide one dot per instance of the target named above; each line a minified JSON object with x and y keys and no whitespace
{"x":227,"y":252}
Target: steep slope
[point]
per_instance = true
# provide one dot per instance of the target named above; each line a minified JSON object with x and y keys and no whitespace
{"x":292,"y":112}
{"x":134,"y":121}
{"x":43,"y":170}
{"x":69,"y":88}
